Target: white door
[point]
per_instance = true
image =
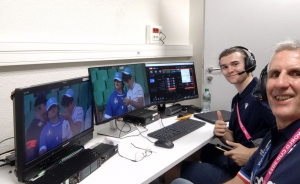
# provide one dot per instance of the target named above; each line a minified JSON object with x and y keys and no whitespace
{"x":254,"y":24}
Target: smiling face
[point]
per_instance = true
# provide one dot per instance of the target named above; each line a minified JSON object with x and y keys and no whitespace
{"x":283,"y":86}
{"x":129,"y":83}
{"x":118,"y":84}
{"x":53,"y":112}
{"x":231,"y":65}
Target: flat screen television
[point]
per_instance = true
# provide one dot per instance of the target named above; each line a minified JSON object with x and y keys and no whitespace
{"x":171,"y":82}
{"x":50,"y":122}
{"x":117,"y":91}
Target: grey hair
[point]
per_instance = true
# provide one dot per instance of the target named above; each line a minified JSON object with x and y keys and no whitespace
{"x":288,"y":44}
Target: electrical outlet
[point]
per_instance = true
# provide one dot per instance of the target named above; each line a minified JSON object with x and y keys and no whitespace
{"x":153,"y":34}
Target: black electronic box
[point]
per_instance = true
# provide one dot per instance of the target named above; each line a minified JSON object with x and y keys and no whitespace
{"x":77,"y":168}
{"x":143,"y":117}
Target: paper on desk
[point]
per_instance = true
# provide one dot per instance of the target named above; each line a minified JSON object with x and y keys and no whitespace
{"x":106,"y":141}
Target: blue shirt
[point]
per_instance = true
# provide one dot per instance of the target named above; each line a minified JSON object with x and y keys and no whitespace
{"x":115,"y":105}
{"x":287,"y":171}
{"x":51,"y":135}
{"x":256,"y":117}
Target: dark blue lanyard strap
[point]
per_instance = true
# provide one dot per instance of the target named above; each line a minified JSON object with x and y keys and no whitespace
{"x":266,"y":150}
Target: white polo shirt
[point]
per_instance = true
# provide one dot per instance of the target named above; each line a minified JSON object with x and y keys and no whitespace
{"x":134,"y":93}
{"x":78,"y":115}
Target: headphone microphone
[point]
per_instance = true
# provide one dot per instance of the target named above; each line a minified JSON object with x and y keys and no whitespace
{"x":240,"y":73}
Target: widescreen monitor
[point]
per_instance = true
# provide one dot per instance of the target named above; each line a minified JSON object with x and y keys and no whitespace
{"x":171,"y":82}
{"x":50,"y":122}
{"x":117,"y":91}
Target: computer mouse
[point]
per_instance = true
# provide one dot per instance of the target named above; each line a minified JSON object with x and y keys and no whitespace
{"x":164,"y":143}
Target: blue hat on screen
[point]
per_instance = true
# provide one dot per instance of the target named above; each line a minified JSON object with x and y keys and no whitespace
{"x":118,"y":76}
{"x":128,"y":71}
{"x":50,"y":102}
{"x":69,"y":93}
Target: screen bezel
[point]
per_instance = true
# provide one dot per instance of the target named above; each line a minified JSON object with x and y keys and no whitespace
{"x":26,"y":171}
{"x":172,"y":64}
{"x":121,"y":115}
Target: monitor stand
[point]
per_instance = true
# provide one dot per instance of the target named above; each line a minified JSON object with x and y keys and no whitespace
{"x":161,"y":107}
{"x":113,"y":131}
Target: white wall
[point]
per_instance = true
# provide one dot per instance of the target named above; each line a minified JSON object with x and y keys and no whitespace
{"x":98,"y":21}
{"x":77,"y":21}
{"x":254,"y":24}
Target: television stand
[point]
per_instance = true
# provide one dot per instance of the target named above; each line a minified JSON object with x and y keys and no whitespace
{"x":113,"y":130}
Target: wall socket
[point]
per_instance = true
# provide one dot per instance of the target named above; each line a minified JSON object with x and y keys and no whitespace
{"x":153,"y":34}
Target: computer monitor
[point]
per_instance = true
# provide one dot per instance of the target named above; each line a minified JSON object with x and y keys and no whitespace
{"x":117,"y":91}
{"x":50,"y":122}
{"x":171,"y":82}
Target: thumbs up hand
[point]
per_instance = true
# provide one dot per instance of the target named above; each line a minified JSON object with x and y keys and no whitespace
{"x":220,"y":126}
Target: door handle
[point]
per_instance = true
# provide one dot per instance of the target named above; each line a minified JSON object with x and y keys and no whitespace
{"x":211,"y":69}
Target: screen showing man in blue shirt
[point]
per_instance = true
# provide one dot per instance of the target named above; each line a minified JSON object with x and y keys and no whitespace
{"x":115,"y":105}
{"x":56,"y":131}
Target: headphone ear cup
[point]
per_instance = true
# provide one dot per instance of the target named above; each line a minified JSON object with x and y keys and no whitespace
{"x":250,"y":63}
{"x":263,"y":79}
{"x":259,"y":92}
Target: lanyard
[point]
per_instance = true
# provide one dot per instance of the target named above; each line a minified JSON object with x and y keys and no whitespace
{"x":261,"y":160}
{"x":248,"y":136}
{"x":285,"y":150}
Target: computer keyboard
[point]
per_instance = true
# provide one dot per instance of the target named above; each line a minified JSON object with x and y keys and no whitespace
{"x":177,"y":130}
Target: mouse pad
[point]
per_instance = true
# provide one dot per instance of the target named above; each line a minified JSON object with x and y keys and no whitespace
{"x":212,"y":116}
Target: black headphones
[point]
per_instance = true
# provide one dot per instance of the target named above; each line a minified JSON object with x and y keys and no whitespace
{"x":250,"y":62}
{"x":260,"y":89}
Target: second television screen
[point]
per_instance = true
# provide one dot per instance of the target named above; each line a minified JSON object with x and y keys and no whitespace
{"x":118,"y":90}
{"x":171,"y":82}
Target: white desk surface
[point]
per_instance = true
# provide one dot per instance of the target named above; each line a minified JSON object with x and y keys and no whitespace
{"x":121,"y":170}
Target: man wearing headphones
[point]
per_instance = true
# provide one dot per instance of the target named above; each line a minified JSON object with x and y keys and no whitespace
{"x":250,"y":121}
{"x":115,"y":105}
{"x":278,"y":154}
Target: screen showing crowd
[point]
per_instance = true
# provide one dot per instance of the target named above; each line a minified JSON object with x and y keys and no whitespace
{"x":55,"y":116}
{"x":118,"y":90}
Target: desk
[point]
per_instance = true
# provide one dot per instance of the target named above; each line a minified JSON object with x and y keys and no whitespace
{"x":120,"y":170}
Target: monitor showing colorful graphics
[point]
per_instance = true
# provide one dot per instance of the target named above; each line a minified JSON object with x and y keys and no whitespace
{"x":171,"y":82}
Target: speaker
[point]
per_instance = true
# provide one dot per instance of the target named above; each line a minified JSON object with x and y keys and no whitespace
{"x":250,"y":62}
{"x":260,"y":89}
{"x":191,"y":109}
{"x":173,"y":109}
